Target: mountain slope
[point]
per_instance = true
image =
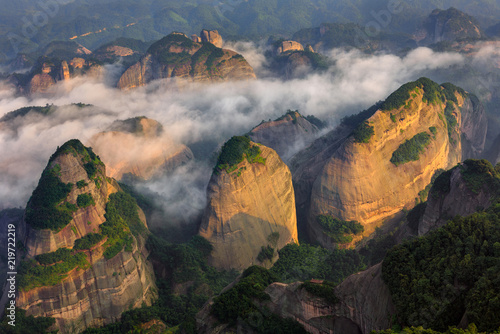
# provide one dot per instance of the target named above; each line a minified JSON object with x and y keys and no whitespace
{"x":378,"y":169}
{"x":178,"y":56}
{"x":86,"y":260}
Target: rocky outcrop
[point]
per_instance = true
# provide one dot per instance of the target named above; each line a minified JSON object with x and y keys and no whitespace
{"x":211,"y":36}
{"x":288,"y":46}
{"x":46,"y":73}
{"x":96,"y":294}
{"x":286,"y":135}
{"x":177,"y":56}
{"x":245,"y":207}
{"x":359,"y":182}
{"x":448,"y":25}
{"x":140,"y":148}
{"x":454,"y":193}
{"x":365,"y":304}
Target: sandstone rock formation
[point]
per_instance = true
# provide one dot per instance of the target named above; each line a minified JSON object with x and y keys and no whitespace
{"x":288,"y":46}
{"x":245,"y":207}
{"x":357,"y":180}
{"x":177,"y":56}
{"x":211,"y":36}
{"x":139,"y":147}
{"x":448,"y":25}
{"x":287,"y":134}
{"x":96,"y":294}
{"x":47,"y":72}
{"x":454,"y":194}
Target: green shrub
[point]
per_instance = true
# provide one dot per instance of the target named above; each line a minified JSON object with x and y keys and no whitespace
{"x":88,"y":241}
{"x":266,"y":253}
{"x":84,"y":200}
{"x":411,"y":149}
{"x":339,"y":230}
{"x":80,"y":184}
{"x":433,"y":130}
{"x":393,"y":118}
{"x":235,"y":150}
{"x":363,"y":133}
{"x":325,"y":290}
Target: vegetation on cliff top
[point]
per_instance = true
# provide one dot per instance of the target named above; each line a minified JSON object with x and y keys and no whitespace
{"x":455,"y":270}
{"x":235,"y":150}
{"x":411,"y":149}
{"x":432,"y":93}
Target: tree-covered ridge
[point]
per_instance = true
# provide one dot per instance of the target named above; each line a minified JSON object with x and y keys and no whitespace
{"x":338,"y":230}
{"x":411,"y":149}
{"x":432,"y":93}
{"x":47,"y":208}
{"x":235,"y":150}
{"x":239,"y":303}
{"x":122,"y":221}
{"x":455,"y":270}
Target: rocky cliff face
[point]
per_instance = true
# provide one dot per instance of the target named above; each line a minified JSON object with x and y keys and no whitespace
{"x":139,"y":147}
{"x":287,"y":134}
{"x":461,"y":191}
{"x":47,"y":72}
{"x":359,"y":179}
{"x":448,"y":25}
{"x":245,"y":207}
{"x":98,"y":292}
{"x":177,"y":56}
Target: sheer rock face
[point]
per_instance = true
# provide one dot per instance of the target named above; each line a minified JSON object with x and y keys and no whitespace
{"x":177,"y":56}
{"x":139,"y":147}
{"x":357,"y":181}
{"x":244,"y":210}
{"x":98,"y":295}
{"x":211,"y":36}
{"x":459,"y":200}
{"x":286,"y":135}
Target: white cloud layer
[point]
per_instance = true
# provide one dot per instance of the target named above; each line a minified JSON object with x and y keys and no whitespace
{"x":198,"y":112}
